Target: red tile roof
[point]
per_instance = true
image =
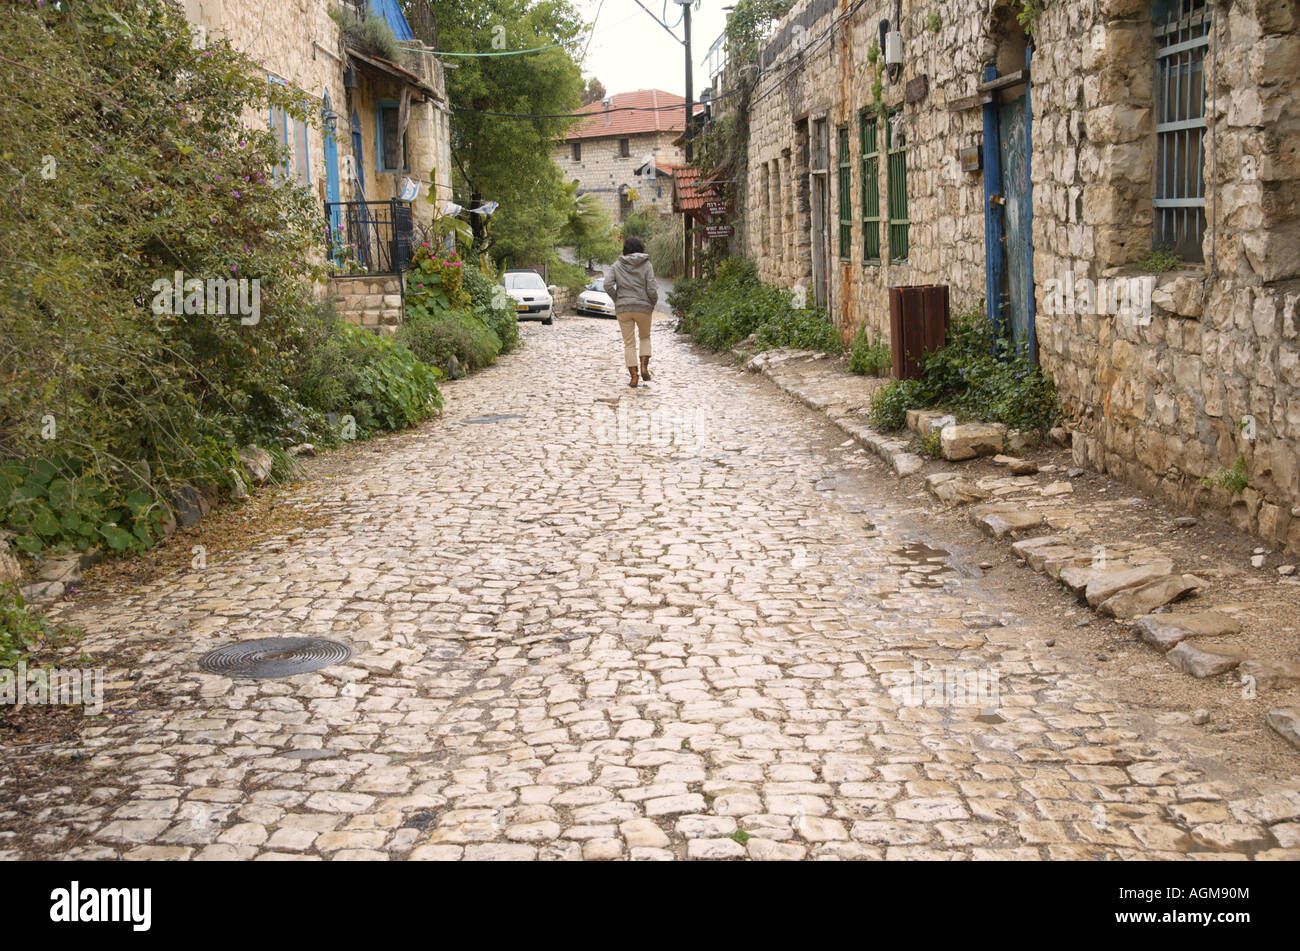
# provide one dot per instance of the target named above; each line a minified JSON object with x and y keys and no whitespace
{"x":602,"y":123}
{"x":691,"y":190}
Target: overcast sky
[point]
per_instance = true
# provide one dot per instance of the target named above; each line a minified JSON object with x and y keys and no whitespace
{"x":630,"y":51}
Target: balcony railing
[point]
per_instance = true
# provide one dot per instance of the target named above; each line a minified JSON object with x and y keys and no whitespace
{"x":369,"y":237}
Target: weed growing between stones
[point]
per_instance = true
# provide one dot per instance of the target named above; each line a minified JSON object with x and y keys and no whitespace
{"x":1234,"y":481}
{"x":870,"y":354}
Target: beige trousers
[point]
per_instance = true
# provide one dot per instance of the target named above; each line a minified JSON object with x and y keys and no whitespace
{"x":634,"y":324}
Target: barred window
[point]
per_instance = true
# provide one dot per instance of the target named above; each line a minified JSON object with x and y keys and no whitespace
{"x":896,"y":168}
{"x":1182,"y":33}
{"x":870,"y":134}
{"x":845,"y":188}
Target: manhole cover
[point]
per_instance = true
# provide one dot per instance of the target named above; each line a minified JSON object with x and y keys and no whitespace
{"x":499,"y":417}
{"x":275,"y":657}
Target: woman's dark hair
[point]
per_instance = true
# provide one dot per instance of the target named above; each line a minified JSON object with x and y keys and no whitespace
{"x":633,"y":245}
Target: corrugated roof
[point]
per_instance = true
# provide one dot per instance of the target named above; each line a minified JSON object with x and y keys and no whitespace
{"x":602,"y":123}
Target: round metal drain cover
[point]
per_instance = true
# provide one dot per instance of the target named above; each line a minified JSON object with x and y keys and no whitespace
{"x":275,"y":657}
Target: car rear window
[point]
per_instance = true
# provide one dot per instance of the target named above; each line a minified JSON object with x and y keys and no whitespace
{"x":524,"y":281}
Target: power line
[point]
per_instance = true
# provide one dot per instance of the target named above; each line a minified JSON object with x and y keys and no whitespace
{"x":595,"y":114}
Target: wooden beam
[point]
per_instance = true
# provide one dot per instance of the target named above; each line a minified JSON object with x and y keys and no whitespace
{"x":1002,"y":82}
{"x":970,"y":102}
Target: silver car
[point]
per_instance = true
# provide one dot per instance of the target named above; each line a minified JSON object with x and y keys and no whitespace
{"x":531,"y":295}
{"x":594,"y":301}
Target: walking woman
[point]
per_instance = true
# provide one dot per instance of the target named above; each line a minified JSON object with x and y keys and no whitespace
{"x":631,"y":284}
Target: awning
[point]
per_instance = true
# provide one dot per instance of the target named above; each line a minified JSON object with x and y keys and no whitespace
{"x":394,"y":71}
{"x":699,"y":194}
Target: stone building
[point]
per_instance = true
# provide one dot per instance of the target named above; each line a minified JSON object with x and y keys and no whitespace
{"x":624,"y":151}
{"x":1038,"y":166}
{"x":382,"y":124}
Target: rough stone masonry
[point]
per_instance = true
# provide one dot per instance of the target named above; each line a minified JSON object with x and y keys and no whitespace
{"x":1163,"y":398}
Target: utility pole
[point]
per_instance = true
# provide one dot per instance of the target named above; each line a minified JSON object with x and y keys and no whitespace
{"x":687,"y":222}
{"x":690,"y":108}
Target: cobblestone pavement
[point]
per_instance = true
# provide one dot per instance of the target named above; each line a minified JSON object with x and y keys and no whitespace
{"x":674,"y":622}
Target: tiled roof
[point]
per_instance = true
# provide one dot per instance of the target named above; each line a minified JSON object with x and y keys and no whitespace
{"x":690,"y":192}
{"x":602,"y":123}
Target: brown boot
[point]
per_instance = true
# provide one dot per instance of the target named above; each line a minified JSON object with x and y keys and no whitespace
{"x":632,"y":372}
{"x":645,"y":368}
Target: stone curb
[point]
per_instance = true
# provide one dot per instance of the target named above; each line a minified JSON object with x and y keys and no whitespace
{"x":1121,"y":590}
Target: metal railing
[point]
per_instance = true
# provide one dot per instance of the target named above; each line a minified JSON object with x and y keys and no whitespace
{"x":369,"y":237}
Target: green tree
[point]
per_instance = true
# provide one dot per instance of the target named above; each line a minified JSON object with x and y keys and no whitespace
{"x":505,"y":159}
{"x":588,"y":228}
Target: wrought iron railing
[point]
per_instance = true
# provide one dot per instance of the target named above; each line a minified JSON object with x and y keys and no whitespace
{"x":370,"y":237}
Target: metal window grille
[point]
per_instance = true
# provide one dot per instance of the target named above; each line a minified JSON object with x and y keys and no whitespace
{"x":896,"y":169}
{"x":870,"y":134}
{"x":845,"y":188}
{"x":1182,"y":33}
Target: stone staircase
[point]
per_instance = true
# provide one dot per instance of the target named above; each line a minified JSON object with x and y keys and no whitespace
{"x":372,"y":301}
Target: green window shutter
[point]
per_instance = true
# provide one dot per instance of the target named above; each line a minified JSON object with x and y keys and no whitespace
{"x":869,"y":128}
{"x":845,"y":188}
{"x":896,"y":149}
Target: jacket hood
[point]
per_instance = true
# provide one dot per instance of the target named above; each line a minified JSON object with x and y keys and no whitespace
{"x":634,"y":260}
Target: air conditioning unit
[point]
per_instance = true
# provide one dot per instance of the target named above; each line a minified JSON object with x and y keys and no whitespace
{"x":893,"y":48}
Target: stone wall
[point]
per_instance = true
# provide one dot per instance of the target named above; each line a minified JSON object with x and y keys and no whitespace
{"x":601,"y":170}
{"x":371,"y":302}
{"x":298,"y":43}
{"x":1159,"y":401}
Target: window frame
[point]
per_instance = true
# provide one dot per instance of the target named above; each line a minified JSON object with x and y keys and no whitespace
{"x":869,"y":162}
{"x":896,"y":191}
{"x":575,"y":151}
{"x":844,"y":191}
{"x":1182,"y":42}
{"x":380,"y":106}
{"x":624,"y":147}
{"x":276,"y":170}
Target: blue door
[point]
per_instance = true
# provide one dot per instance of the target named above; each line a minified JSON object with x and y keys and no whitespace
{"x":331,"y":173}
{"x":1017,"y":221}
{"x":358,"y":149}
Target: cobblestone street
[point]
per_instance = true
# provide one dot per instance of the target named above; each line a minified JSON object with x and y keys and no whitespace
{"x":687,"y":621}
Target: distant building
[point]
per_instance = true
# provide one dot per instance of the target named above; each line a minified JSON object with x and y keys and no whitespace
{"x":624,"y":151}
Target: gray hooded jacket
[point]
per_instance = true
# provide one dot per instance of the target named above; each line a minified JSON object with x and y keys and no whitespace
{"x":630,"y":282}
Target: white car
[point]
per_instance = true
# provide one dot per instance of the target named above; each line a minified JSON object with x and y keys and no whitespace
{"x":532,"y":297}
{"x":594,"y":301}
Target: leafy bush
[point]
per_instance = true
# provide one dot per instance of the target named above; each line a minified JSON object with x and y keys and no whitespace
{"x":800,"y":329}
{"x":493,"y":307}
{"x":151,"y":171}
{"x":983,"y":376}
{"x":49,"y":509}
{"x":373,"y":379}
{"x":870,"y":355}
{"x":686,"y":291}
{"x":736,"y":304}
{"x":436,"y":337}
{"x":890,"y":403}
